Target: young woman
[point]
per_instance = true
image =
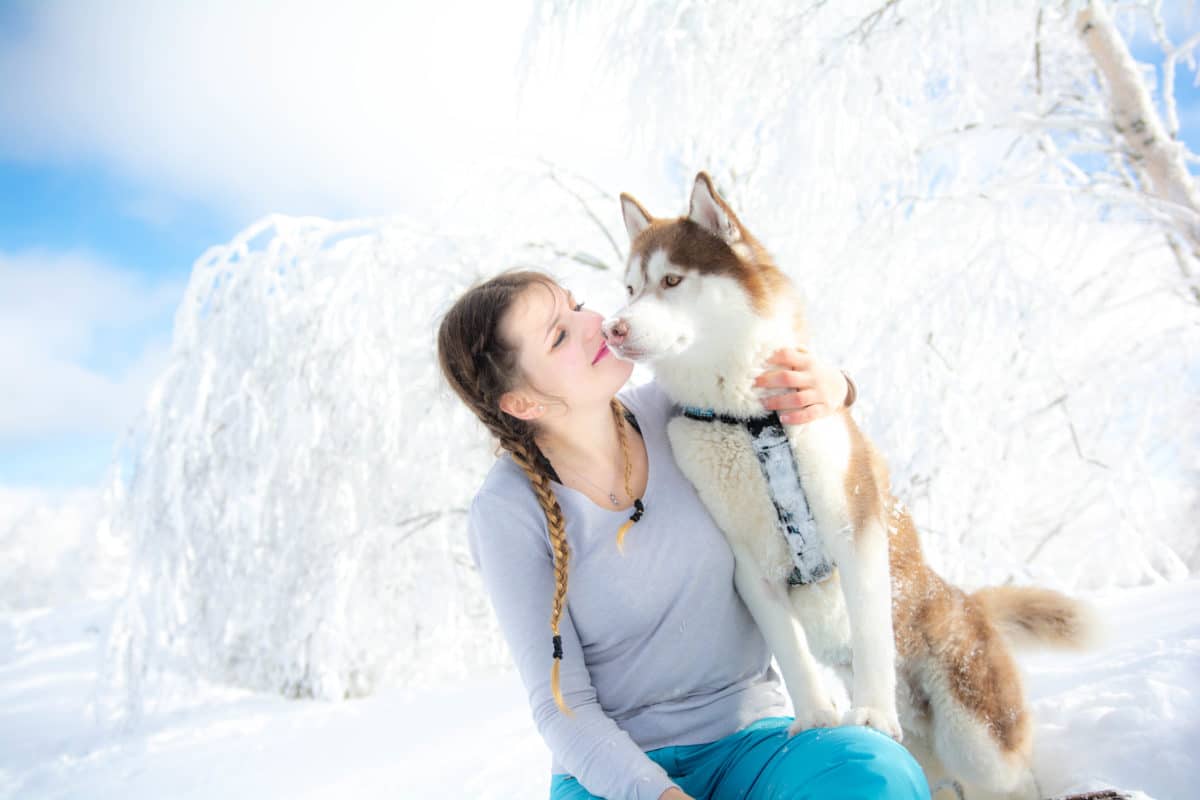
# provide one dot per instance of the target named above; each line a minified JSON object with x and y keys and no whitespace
{"x":647,"y":677}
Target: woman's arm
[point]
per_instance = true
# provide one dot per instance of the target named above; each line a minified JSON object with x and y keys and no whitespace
{"x":509,"y":543}
{"x":817,"y":388}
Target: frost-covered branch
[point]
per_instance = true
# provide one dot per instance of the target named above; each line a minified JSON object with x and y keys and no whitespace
{"x":867,"y":24}
{"x":586,"y":206}
{"x":1171,"y":56}
{"x":579,"y":257}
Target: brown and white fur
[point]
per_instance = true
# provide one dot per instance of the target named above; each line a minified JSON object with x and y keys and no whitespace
{"x":706,"y":309}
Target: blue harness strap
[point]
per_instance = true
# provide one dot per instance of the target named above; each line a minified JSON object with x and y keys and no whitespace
{"x":778,"y":464}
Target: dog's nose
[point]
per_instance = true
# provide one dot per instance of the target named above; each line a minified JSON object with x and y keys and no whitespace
{"x":616,"y":330}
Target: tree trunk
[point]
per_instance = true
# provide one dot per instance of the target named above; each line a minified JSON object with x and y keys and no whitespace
{"x":1157,"y":156}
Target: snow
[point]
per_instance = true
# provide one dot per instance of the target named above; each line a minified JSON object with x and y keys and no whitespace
{"x":234,"y":743}
{"x":272,"y":595}
{"x":1128,"y":713}
{"x":1124,"y":714}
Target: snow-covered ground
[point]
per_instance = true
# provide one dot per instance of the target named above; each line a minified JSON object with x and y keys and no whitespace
{"x":1126,"y":714}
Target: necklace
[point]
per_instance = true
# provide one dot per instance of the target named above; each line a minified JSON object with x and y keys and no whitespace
{"x":612,"y":496}
{"x":638,"y":507}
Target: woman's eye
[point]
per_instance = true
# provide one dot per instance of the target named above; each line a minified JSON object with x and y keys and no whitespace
{"x":671,"y":280}
{"x":563,"y":334}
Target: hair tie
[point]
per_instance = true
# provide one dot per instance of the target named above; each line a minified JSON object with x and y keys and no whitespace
{"x":557,"y":646}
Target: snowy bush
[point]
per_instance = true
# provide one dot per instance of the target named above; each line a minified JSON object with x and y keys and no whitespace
{"x":296,"y":489}
{"x":58,"y":548}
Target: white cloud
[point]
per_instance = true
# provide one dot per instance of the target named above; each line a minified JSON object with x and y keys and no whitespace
{"x":55,"y":311}
{"x":346,"y":109}
{"x":296,"y":107}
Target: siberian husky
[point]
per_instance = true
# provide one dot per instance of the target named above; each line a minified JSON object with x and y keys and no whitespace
{"x":706,"y":308}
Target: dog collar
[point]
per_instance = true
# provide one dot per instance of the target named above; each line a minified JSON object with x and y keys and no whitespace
{"x":709,"y":415}
{"x":778,"y":464}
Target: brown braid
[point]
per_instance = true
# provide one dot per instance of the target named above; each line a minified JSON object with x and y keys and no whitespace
{"x":556,"y":526}
{"x":480,"y":367}
{"x":618,"y":411}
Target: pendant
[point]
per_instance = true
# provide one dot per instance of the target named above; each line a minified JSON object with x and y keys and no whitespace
{"x":613,"y":497}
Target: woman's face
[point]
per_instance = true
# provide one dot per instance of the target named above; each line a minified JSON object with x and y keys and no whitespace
{"x":561,"y":354}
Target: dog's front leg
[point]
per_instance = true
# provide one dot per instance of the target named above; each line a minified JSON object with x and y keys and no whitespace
{"x":769,"y":605}
{"x":862,"y":558}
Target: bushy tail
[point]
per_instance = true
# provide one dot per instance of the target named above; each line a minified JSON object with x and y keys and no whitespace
{"x":1030,"y":617}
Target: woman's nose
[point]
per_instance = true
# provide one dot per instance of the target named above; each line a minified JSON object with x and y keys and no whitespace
{"x":594,"y":322}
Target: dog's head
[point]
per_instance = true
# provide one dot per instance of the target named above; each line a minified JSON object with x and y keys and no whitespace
{"x":689,"y":280}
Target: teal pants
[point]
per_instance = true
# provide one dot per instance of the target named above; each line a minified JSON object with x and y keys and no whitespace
{"x":760,"y":762}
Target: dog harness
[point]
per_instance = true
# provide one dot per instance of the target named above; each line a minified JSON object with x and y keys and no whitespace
{"x":778,"y":464}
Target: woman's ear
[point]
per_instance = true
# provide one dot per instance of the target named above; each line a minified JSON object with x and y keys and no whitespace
{"x":520,"y":405}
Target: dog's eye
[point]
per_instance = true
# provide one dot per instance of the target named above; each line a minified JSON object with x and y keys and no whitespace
{"x":671,"y":280}
{"x":630,"y":290}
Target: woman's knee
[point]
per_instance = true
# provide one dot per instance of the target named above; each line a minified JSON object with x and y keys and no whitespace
{"x":854,"y":762}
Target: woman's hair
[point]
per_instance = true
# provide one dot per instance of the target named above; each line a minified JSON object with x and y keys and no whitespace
{"x":480,"y":366}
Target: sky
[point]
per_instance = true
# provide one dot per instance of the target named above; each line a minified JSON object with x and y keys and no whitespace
{"x":134,"y":135}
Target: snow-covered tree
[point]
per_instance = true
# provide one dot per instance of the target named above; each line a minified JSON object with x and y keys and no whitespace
{"x":946,"y":183}
{"x":941,"y":179}
{"x":296,"y":488}
{"x":1149,"y":157}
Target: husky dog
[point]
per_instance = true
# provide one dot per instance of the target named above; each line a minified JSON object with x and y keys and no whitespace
{"x":706,"y":308}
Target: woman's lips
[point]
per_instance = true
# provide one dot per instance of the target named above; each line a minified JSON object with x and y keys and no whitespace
{"x":601,"y":353}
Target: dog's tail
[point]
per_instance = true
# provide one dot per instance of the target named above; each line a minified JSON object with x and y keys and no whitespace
{"x":1030,"y":617}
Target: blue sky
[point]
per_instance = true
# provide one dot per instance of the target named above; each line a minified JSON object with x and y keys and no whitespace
{"x":136,"y":135}
{"x":52,"y":212}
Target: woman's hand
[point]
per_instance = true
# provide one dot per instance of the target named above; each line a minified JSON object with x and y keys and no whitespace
{"x":816,"y":388}
{"x":674,"y":793}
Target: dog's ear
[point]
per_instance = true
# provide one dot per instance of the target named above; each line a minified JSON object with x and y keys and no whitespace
{"x":636,"y":218}
{"x":710,"y":212}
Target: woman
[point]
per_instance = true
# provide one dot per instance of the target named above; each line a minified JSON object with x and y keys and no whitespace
{"x":652,"y":681}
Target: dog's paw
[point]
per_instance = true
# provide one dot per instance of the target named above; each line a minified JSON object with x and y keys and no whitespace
{"x":823,"y":716}
{"x":882,"y":721}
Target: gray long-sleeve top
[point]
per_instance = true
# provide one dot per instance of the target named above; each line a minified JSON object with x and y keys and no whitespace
{"x":658,"y":647}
